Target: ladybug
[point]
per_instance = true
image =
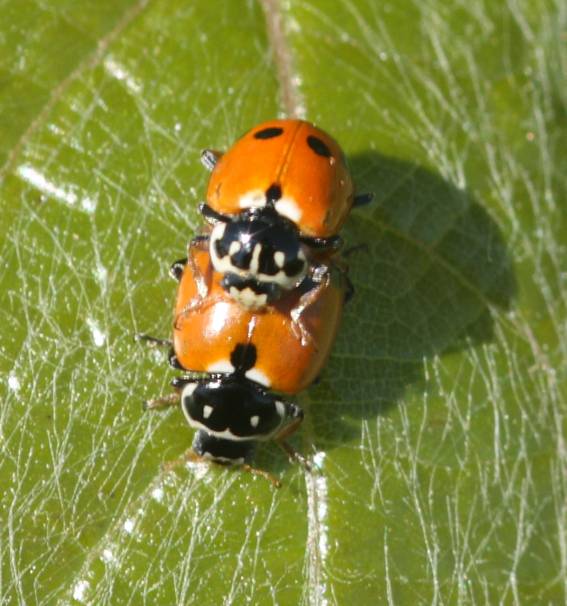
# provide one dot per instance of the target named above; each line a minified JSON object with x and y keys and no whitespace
{"x":251,"y":361}
{"x":211,"y":330}
{"x":275,"y":201}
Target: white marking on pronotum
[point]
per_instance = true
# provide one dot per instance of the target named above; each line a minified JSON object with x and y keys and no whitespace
{"x":288,"y":207}
{"x":252,"y":199}
{"x":118,"y":71}
{"x":254,"y":420}
{"x":188,"y":390}
{"x":207,"y":411}
{"x":99,"y":338}
{"x":280,"y":407}
{"x":234,"y":247}
{"x":222,"y":264}
{"x":255,"y":261}
{"x":258,"y":376}
{"x":279,"y":258}
{"x":32,"y":176}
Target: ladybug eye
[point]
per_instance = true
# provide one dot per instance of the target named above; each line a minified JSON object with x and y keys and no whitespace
{"x":319,"y":146}
{"x":268,"y":133}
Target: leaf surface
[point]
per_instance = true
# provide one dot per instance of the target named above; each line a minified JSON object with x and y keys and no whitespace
{"x":438,"y":427}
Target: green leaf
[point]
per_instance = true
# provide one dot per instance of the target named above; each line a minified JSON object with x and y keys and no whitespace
{"x":438,"y":427}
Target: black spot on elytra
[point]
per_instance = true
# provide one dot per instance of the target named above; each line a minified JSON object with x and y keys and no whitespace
{"x":268,"y":133}
{"x":243,"y":357}
{"x":318,"y":146}
{"x":273,"y":193}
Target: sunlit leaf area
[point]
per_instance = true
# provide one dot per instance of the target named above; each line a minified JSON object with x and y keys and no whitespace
{"x":437,"y":432}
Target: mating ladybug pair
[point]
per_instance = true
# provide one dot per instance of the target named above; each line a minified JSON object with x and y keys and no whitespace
{"x":261,"y":291}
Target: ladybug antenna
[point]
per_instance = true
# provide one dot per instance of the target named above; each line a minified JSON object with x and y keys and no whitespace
{"x":212,"y":216}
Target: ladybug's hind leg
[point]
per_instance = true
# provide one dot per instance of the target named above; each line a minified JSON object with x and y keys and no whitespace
{"x":190,"y":456}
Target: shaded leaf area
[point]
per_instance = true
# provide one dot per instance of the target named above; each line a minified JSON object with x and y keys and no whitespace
{"x":443,"y":407}
{"x":438,"y":426}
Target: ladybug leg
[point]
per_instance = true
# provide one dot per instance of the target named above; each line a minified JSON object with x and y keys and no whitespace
{"x":198,"y":304}
{"x":263,"y":474}
{"x":176,"y":269}
{"x":349,"y":289}
{"x":209,"y":158}
{"x":321,"y":279}
{"x":190,"y":456}
{"x":212,"y":216}
{"x":293,"y":455}
{"x":152,"y":342}
{"x":332,"y":243}
{"x":362,"y":199}
{"x":201,"y":300}
{"x":198,"y":276}
{"x":162,"y":402}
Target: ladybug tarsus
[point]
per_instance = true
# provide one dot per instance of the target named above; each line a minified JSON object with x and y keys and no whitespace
{"x":173,"y":361}
{"x":332,"y":243}
{"x":152,"y":341}
{"x":176,"y":269}
{"x":362,"y":199}
{"x":162,"y":402}
{"x":209,"y":158}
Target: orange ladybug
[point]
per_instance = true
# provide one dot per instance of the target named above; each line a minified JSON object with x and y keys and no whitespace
{"x":275,"y":201}
{"x":246,"y":357}
{"x":283,"y":348}
{"x":292,"y":165}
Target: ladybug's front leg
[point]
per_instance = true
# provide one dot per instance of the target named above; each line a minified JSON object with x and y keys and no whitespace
{"x":201,"y":242}
{"x":201,"y":282}
{"x":321,"y":277}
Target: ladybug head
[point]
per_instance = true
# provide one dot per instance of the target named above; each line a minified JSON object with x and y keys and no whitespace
{"x":231,"y":412}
